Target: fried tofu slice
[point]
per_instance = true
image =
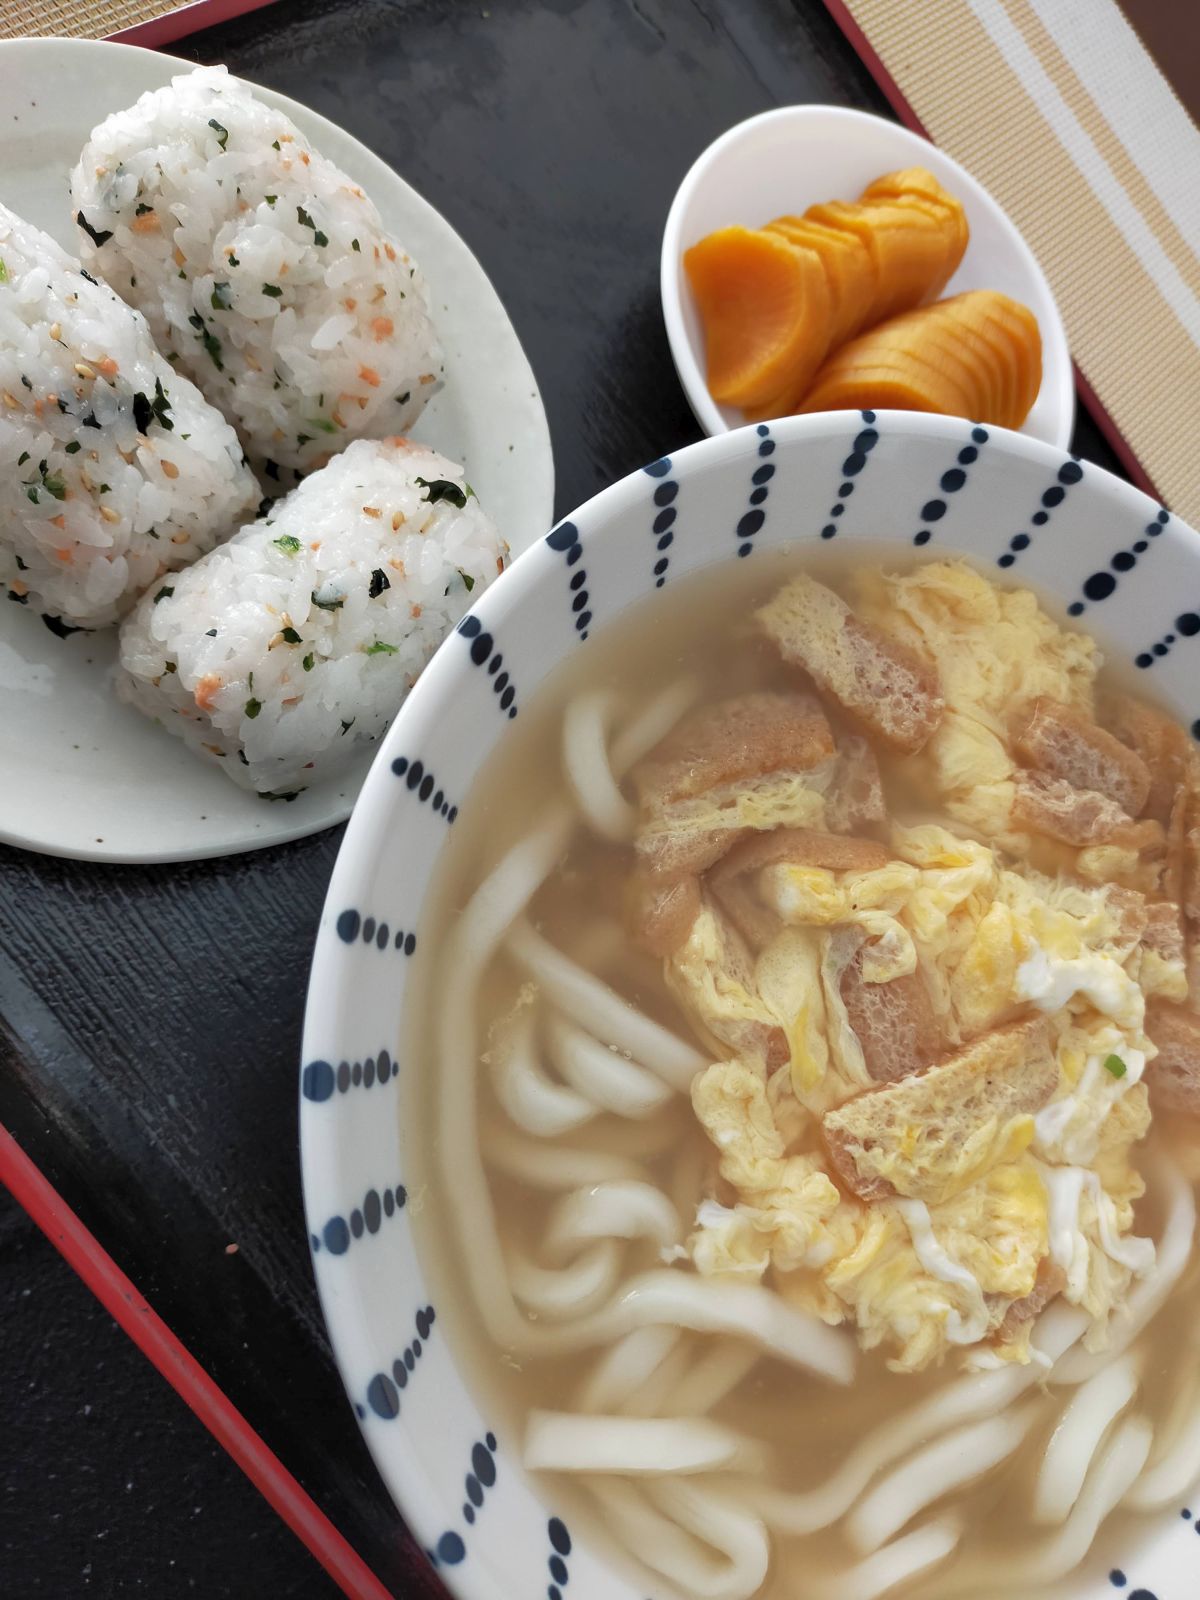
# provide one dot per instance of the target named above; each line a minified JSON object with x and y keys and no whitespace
{"x":1154,"y":924}
{"x":930,"y":1135}
{"x":1079,"y":817}
{"x":1061,"y":742}
{"x":1163,"y":932}
{"x":1131,"y":911}
{"x":737,"y":897}
{"x":735,"y":741}
{"x":1174,"y":1074}
{"x":662,"y":914}
{"x":1174,"y":797}
{"x":1159,"y":741}
{"x":1050,"y":1283}
{"x":1190,"y":857}
{"x":855,"y":798}
{"x":884,"y":688}
{"x":1175,"y":865}
{"x":894,"y":1022}
{"x":754,"y":761}
{"x":803,"y":847}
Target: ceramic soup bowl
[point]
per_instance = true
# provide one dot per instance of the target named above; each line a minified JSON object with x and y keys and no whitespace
{"x":1106,"y":557}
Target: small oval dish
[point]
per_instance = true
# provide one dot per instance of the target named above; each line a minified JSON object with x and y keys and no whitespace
{"x":782,"y":161}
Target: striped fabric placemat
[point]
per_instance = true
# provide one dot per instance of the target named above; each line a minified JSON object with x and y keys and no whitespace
{"x":77,"y":19}
{"x":143,"y":22}
{"x":1059,"y":109}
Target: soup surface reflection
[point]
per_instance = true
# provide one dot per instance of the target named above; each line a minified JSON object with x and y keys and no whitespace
{"x":804,"y":1134}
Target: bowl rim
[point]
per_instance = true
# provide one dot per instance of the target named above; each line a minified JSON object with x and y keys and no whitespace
{"x":321,"y":1147}
{"x":686,"y":357}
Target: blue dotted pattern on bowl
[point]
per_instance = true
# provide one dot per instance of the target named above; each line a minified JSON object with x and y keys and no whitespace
{"x":1070,"y":473}
{"x":951,"y":481}
{"x":351,"y":924}
{"x":566,"y":541}
{"x":484,"y":653}
{"x":665,"y":512}
{"x":560,"y":1549}
{"x":422,"y":784}
{"x":751,"y":520}
{"x":864,"y":442}
{"x":339,"y":1232}
{"x":1103,"y":584}
{"x":385,"y":1388}
{"x":320,"y":1079}
{"x":451,"y":1547}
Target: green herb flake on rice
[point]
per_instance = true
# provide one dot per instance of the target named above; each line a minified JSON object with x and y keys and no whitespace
{"x":98,"y":236}
{"x":443,"y":489}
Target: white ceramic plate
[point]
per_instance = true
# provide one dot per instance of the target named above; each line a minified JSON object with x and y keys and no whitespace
{"x":84,"y":775}
{"x":786,"y":160}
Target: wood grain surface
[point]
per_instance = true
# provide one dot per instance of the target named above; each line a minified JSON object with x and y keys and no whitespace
{"x":150,"y":1018}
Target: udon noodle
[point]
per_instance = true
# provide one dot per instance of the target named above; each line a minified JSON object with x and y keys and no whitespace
{"x":737,"y":1426}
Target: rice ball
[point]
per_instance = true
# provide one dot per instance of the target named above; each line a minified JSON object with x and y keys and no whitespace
{"x":266,"y":273}
{"x":114,"y":470}
{"x":283,"y":652}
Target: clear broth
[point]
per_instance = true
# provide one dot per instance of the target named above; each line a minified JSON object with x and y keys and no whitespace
{"x":700,"y":629}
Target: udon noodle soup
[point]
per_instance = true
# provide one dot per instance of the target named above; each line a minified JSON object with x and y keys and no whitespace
{"x":809,"y":1065}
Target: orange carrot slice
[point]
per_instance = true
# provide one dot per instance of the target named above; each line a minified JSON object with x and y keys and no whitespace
{"x":976,"y":355}
{"x":764,"y":304}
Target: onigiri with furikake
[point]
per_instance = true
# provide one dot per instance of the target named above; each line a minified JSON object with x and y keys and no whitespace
{"x":288,"y":648}
{"x":114,"y":470}
{"x":265,"y":272}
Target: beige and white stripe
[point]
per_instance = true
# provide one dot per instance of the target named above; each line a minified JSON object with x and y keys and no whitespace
{"x":1058,"y":109}
{"x":78,"y":19}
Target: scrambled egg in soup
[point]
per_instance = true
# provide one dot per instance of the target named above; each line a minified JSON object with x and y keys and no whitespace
{"x":924,"y":924}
